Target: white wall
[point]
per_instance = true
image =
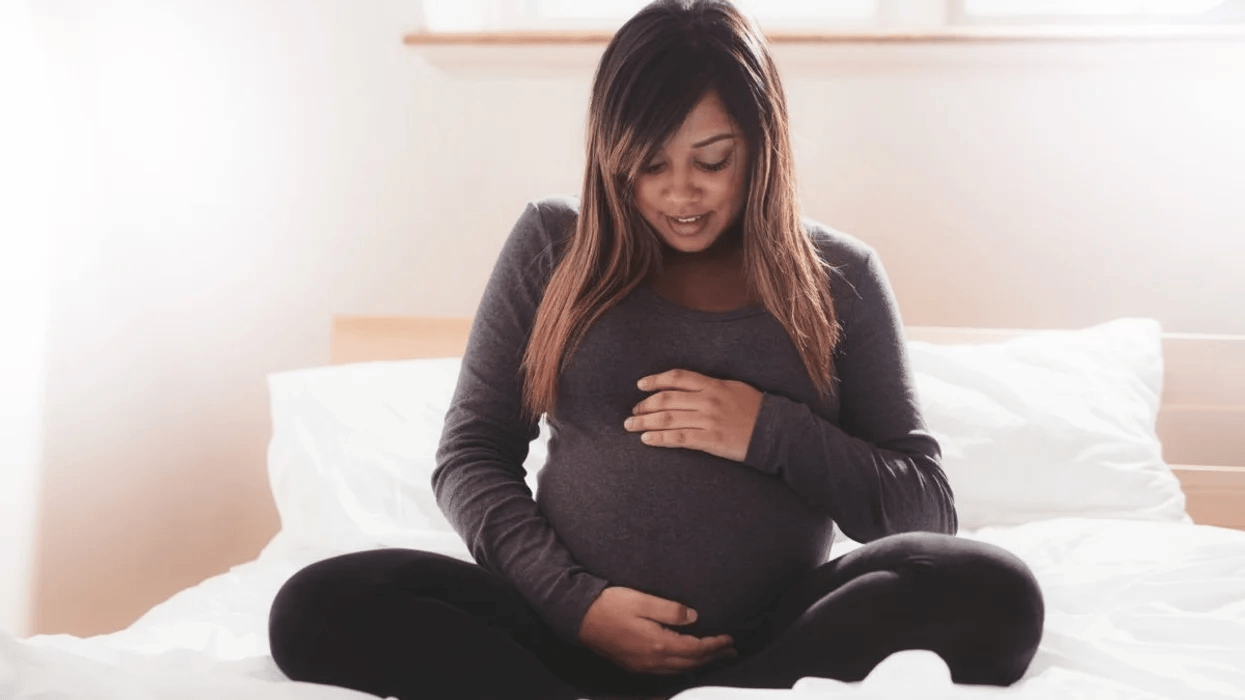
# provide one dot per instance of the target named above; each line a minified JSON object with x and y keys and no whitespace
{"x":32,"y":134}
{"x":264,"y":165}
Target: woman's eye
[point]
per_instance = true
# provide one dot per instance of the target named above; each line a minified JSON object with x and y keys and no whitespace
{"x":655,"y":168}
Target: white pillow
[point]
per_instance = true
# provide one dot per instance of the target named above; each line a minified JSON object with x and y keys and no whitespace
{"x":353,"y":448}
{"x":1051,"y":423}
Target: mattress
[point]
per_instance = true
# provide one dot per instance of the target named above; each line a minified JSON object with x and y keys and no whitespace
{"x":1135,"y":609}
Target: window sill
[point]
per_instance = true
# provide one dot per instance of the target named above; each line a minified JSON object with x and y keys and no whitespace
{"x":929,"y":34}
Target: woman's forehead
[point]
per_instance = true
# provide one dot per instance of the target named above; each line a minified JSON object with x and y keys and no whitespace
{"x":707,"y":119}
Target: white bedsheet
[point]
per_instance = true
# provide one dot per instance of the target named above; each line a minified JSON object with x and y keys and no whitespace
{"x":1134,"y":610}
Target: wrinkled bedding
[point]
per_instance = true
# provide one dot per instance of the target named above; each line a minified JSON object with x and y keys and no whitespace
{"x":1134,"y":610}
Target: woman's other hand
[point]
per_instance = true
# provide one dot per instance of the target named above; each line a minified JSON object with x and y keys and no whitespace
{"x":622,"y":625}
{"x":697,"y":412}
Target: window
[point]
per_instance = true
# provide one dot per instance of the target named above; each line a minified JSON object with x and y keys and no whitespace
{"x":803,"y":11}
{"x":507,"y":15}
{"x":1097,"y":11}
{"x":497,"y":15}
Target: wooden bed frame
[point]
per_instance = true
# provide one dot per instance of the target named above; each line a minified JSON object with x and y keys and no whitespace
{"x":1201,"y":420}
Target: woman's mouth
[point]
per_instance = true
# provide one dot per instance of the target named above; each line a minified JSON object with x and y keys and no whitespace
{"x":689,"y":225}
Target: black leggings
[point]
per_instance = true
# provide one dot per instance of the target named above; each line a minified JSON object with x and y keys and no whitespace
{"x":413,"y":624}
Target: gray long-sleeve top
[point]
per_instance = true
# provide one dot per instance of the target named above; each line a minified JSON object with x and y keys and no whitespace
{"x":721,"y":536}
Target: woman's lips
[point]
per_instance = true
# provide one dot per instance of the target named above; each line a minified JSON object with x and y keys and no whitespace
{"x":691,"y":228}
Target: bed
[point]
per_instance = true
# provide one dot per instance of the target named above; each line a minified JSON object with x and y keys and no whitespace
{"x":1111,"y":459}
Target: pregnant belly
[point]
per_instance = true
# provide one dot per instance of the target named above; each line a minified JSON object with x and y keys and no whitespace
{"x":683,"y":525}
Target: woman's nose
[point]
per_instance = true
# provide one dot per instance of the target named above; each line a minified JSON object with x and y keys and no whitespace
{"x":682,"y":188}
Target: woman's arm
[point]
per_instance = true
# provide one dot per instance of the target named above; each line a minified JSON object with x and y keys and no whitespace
{"x":879,"y":472}
{"x":479,"y":478}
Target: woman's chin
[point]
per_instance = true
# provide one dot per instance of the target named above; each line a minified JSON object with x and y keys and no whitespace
{"x":691,"y":244}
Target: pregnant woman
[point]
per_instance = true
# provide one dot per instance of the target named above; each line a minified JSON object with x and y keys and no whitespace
{"x":724,"y":381}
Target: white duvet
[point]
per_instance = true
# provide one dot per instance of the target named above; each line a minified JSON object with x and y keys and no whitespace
{"x":1134,"y":610}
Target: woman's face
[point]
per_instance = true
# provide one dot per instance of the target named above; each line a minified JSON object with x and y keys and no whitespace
{"x":693,"y":189}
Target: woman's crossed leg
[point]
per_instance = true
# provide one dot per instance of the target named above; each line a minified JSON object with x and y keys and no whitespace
{"x":412,"y":624}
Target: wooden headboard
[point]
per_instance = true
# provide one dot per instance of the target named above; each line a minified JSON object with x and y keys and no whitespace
{"x":1201,"y":420}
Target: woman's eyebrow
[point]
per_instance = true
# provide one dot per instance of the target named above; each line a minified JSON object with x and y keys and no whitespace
{"x":713,"y":139}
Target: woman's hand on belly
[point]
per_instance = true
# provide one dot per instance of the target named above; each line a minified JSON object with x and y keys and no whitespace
{"x":625,"y":626}
{"x":698,"y":412}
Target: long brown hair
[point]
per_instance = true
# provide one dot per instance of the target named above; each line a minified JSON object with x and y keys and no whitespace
{"x":653,"y":72}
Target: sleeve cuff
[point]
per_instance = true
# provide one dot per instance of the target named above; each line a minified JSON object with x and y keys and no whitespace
{"x":567,"y":613}
{"x":765,"y":448}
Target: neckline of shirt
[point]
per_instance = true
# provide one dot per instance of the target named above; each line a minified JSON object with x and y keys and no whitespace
{"x":645,"y":292}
